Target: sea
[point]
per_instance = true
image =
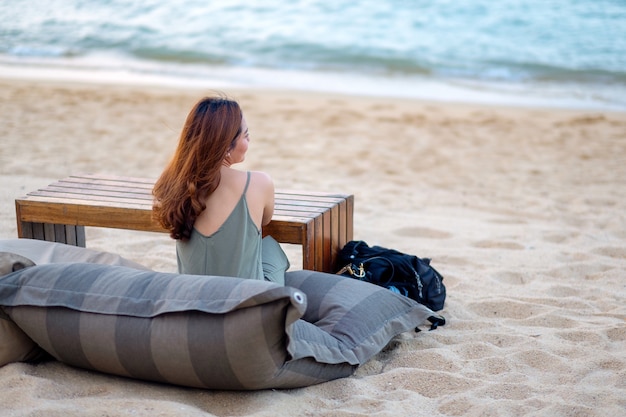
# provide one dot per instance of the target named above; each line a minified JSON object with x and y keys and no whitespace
{"x":555,"y":53}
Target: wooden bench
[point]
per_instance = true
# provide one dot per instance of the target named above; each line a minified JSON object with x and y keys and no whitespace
{"x":320,"y":222}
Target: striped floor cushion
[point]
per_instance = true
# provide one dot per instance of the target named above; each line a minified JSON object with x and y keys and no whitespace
{"x":15,"y":345}
{"x":43,"y":252}
{"x":206,"y":332}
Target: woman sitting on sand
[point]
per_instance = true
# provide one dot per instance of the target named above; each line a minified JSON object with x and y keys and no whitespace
{"x":215,"y":212}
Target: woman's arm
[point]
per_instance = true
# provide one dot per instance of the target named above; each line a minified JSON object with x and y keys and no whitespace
{"x":263,"y":187}
{"x":268,"y":210}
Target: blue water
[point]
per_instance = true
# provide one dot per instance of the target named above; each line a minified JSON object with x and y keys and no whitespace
{"x":552,"y":49}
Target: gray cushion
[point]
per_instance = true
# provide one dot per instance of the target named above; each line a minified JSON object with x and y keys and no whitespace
{"x":208,"y":332}
{"x":11,"y":262}
{"x":15,"y":345}
{"x":361,"y":318}
{"x":43,"y":252}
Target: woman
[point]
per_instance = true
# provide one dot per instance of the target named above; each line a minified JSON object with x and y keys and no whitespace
{"x":215,"y":212}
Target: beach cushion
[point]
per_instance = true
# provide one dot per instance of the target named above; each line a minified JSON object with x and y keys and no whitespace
{"x":11,"y":262}
{"x":361,"y":316}
{"x":44,"y":252}
{"x":15,"y":346}
{"x":202,"y":331}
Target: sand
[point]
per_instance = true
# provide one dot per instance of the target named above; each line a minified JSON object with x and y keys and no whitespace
{"x":523,"y":210}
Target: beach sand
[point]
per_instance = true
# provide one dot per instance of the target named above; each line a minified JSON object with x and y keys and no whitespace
{"x":523,"y":210}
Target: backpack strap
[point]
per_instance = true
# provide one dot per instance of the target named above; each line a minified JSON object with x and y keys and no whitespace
{"x":435,"y":321}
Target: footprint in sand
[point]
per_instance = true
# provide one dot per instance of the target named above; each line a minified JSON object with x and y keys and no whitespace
{"x":558,"y":237}
{"x":431,"y":384}
{"x":617,"y":334}
{"x":455,"y":260}
{"x":611,"y":252}
{"x":541,"y":360}
{"x":493,"y":365}
{"x":590,"y":271}
{"x":422,"y":232}
{"x":562,"y":291}
{"x":552,"y":321}
{"x":508,"y":391}
{"x":509,"y":309}
{"x":412,"y":357}
{"x":495,"y":244}
{"x":501,"y":340}
{"x":508,"y":221}
{"x":581,"y":337}
{"x":515,"y":278}
{"x":476,"y":350}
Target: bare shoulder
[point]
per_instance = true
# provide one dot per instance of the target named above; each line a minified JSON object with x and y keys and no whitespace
{"x":261,"y":180}
{"x":261,"y":195}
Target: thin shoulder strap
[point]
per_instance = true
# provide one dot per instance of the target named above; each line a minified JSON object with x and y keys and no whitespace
{"x":247,"y":182}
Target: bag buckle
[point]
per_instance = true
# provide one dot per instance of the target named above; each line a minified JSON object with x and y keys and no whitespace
{"x":360,"y":273}
{"x":353,"y":271}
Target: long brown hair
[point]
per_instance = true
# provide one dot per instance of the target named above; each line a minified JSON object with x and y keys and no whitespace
{"x":210,"y":131}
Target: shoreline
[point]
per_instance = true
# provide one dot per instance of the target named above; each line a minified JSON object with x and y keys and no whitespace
{"x":523,"y":95}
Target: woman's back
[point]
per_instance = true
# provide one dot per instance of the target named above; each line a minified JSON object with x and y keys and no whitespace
{"x":257,"y":188}
{"x":230,"y":248}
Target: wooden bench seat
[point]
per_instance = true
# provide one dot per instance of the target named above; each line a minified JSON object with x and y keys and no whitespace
{"x":320,"y":222}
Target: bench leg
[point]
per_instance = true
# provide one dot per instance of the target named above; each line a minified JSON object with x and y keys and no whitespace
{"x":326,"y":235}
{"x":61,"y":233}
{"x":307,"y":239}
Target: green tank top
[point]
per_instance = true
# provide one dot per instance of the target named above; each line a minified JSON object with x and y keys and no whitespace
{"x":234,"y":250}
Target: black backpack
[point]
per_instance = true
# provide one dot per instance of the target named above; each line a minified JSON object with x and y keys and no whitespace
{"x":405,"y":274}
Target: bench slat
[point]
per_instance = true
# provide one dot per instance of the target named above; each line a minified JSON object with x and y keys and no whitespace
{"x":146,"y":183}
{"x":75,"y":192}
{"x":66,"y":199}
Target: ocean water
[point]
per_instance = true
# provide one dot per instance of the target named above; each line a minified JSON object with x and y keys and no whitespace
{"x":552,"y":52}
